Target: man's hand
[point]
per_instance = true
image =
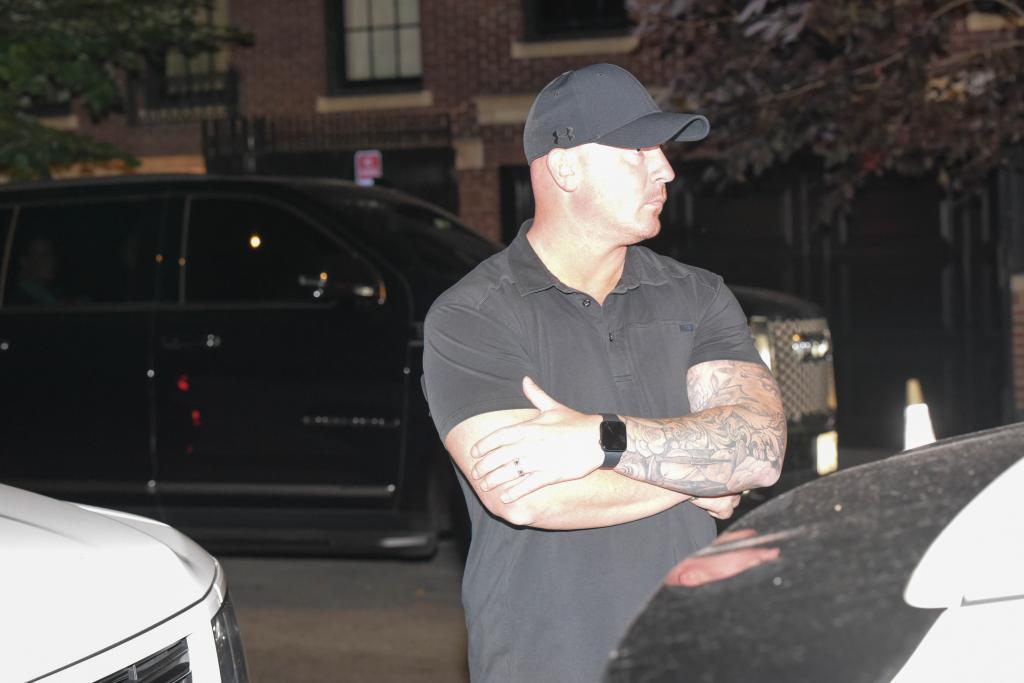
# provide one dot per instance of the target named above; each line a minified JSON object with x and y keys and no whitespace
{"x":560,"y":444}
{"x":719,"y":508}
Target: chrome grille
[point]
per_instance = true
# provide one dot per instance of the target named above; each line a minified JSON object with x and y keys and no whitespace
{"x":807,"y":383}
{"x":167,"y":666}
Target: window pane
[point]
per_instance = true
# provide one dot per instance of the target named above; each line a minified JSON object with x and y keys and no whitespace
{"x":357,"y":56}
{"x":84,"y":254}
{"x":241,"y":250}
{"x":220,"y":60}
{"x":385,"y":64}
{"x":177,"y":65}
{"x":408,"y":11}
{"x":382,"y":12}
{"x":174,"y":66}
{"x":409,"y":52}
{"x":577,"y":16}
{"x":221,"y":13}
{"x":201,"y":65}
{"x":415,"y":237}
{"x":355,"y":14}
{"x":5,"y":224}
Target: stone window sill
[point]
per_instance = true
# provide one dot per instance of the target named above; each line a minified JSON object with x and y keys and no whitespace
{"x":574,"y":48}
{"x":401,"y":100}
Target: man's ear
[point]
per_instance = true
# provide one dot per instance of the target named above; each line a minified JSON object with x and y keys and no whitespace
{"x":561,"y":164}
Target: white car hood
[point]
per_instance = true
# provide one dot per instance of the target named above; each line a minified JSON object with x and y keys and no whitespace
{"x":974,"y":570}
{"x":76,"y":580}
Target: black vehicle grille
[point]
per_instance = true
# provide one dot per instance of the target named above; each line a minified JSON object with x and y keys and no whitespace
{"x":807,"y":384}
{"x":167,"y":666}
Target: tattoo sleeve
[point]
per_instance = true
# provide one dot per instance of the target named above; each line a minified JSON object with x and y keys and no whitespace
{"x":733,"y":440}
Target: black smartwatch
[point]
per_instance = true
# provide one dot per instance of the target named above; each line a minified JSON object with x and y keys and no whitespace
{"x":613,"y":439}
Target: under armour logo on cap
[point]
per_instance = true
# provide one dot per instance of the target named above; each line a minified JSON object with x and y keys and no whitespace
{"x":565,"y":135}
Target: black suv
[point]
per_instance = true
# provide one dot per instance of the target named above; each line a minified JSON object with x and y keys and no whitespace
{"x":241,"y":356}
{"x":238,"y":357}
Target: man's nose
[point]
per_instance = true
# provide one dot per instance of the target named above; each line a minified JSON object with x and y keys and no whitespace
{"x":661,"y":171}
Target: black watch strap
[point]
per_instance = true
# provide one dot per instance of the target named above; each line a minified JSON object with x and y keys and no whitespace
{"x":613,"y":439}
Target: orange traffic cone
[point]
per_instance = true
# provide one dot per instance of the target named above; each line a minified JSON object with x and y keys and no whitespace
{"x":917,"y":422}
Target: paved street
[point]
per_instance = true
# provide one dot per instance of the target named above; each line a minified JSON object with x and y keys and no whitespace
{"x":358,"y":621}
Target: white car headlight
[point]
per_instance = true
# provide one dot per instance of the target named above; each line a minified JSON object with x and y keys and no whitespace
{"x":228,"y":640}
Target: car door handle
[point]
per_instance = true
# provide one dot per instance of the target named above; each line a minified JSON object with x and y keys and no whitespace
{"x":190,"y":343}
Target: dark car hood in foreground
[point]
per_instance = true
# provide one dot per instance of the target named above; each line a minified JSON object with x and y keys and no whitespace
{"x":830,"y":606}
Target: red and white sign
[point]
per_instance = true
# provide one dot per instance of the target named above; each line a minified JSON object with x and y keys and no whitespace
{"x":369,"y":165}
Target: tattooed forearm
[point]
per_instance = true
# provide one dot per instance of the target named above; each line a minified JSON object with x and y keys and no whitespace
{"x":734,"y":440}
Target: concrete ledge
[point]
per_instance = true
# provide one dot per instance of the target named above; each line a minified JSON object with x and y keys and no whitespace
{"x":400,"y":100}
{"x":497,"y":109}
{"x":164,"y":163}
{"x":69,"y":122}
{"x":573,"y":48}
{"x":171,"y":163}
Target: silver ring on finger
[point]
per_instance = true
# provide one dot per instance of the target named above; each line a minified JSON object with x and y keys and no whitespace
{"x":519,"y":468}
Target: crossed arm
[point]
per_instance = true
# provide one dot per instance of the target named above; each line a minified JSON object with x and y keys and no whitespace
{"x":540,"y":467}
{"x":735,"y":441}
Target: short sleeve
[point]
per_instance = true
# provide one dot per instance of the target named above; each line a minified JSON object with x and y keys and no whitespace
{"x":472,"y":364}
{"x":723,"y":332}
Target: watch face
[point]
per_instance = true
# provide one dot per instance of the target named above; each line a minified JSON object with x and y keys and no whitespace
{"x":613,"y":436}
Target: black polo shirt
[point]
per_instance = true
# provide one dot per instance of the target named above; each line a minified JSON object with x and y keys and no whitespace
{"x":550,"y":605}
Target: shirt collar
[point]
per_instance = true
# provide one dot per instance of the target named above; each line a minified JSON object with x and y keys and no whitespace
{"x":531,"y":275}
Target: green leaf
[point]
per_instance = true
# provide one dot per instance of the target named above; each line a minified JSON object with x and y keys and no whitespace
{"x":77,"y":51}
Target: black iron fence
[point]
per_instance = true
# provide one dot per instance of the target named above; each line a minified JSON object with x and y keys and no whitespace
{"x":416,"y":149}
{"x":249,"y":139}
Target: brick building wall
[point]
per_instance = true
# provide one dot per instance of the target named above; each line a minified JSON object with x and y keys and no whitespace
{"x":476,"y":68}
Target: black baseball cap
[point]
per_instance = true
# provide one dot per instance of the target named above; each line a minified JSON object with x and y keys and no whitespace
{"x":603,"y":103}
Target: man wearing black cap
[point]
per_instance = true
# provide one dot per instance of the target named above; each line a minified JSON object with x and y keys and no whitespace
{"x":599,"y":400}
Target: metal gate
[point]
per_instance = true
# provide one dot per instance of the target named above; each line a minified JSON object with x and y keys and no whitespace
{"x":416,"y":149}
{"x":910,"y":282}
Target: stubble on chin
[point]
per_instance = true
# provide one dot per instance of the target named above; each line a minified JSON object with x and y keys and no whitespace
{"x":644,"y":227}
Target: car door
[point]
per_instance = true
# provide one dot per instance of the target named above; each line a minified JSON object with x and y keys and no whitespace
{"x":281,"y":373}
{"x":75,"y":326}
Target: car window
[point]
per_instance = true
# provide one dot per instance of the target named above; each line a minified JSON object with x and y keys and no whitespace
{"x":84,"y":254}
{"x":5,"y":224}
{"x":241,"y":250}
{"x":414,"y":235}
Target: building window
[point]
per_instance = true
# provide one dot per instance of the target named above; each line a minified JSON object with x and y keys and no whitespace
{"x":187,"y":88}
{"x":177,"y":65}
{"x":374,"y":43}
{"x":545,"y":20}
